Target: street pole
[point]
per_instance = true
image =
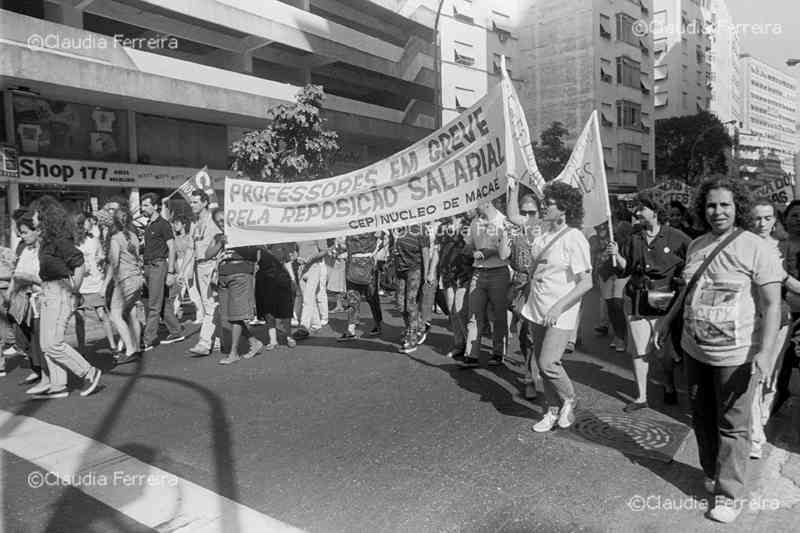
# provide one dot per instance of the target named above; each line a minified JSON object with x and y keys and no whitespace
{"x":437,"y":66}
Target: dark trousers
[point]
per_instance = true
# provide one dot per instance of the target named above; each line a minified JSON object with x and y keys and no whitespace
{"x":355,"y":293}
{"x":27,"y":338}
{"x":407,"y":289}
{"x":155,"y":274}
{"x":721,"y":398}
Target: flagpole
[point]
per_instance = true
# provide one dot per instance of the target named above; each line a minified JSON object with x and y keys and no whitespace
{"x":605,"y":182}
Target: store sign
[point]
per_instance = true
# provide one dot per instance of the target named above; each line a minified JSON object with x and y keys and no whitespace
{"x":43,"y":170}
{"x":9,"y":165}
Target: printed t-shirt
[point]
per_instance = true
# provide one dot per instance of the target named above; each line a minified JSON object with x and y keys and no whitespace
{"x":93,"y":279}
{"x":556,"y":275}
{"x":721,"y":324}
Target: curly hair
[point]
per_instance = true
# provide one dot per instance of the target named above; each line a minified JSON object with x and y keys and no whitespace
{"x":648,"y":199}
{"x":122,"y":223}
{"x":568,"y":199}
{"x":78,"y":220}
{"x":55,"y":224}
{"x":742,"y":200}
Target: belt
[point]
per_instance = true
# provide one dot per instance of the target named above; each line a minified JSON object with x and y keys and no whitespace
{"x":362,"y":254}
{"x":486,"y":269}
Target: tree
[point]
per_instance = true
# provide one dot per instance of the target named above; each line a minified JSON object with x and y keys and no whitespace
{"x":552,"y":154}
{"x":293,"y":147}
{"x":691,"y":146}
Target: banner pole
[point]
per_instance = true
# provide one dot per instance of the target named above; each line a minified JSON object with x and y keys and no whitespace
{"x":605,"y":182}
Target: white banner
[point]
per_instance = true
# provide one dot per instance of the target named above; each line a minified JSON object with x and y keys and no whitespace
{"x":586,"y":171}
{"x":779,"y":189}
{"x":672,"y":190}
{"x":450,"y":171}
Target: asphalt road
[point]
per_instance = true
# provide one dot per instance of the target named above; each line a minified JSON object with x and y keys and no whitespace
{"x":333,"y":437}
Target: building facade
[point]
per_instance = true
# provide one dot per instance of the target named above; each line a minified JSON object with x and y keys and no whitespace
{"x":108,"y":98}
{"x":683,"y":67}
{"x":725,"y":75}
{"x":769,"y":114}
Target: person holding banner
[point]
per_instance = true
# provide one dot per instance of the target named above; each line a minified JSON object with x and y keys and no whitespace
{"x":560,"y":273}
{"x":204,"y":232}
{"x":488,"y":243}
{"x":653,"y":258}
{"x":361,"y":283}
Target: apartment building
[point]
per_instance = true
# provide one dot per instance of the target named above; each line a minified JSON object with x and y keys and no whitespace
{"x":105,"y":97}
{"x":769,"y":114}
{"x":724,"y":74}
{"x":682,"y":69}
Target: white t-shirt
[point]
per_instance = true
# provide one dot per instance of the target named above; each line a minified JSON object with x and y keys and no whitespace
{"x":93,"y":280}
{"x":721,"y":322}
{"x":556,"y":275}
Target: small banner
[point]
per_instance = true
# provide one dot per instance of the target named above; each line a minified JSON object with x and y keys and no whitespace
{"x":779,"y":189}
{"x":672,"y":190}
{"x":448,"y":172}
{"x":200,"y":181}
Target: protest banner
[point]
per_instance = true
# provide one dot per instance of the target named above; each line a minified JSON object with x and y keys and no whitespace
{"x":778,"y":189}
{"x":200,"y":181}
{"x":585,"y":170}
{"x":448,"y":172}
{"x":670,"y":191}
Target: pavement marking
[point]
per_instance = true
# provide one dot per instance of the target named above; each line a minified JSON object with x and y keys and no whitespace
{"x":149,"y":495}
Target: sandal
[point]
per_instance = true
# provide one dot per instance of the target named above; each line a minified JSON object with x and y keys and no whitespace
{"x":271,"y":346}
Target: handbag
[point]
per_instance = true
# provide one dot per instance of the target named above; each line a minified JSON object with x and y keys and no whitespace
{"x":360,"y":270}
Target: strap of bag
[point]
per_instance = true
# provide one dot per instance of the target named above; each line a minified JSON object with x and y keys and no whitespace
{"x":535,"y":262}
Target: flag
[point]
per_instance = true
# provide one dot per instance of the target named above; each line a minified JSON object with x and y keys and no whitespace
{"x":200,"y":181}
{"x":521,"y":164}
{"x":586,"y":171}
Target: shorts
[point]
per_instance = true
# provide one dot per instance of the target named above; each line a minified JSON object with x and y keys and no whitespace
{"x":274,"y":297}
{"x":613,"y":287}
{"x":236,"y":297}
{"x":93,"y":300}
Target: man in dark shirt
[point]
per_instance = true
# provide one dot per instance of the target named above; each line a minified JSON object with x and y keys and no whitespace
{"x":411,"y":248}
{"x":159,"y":271}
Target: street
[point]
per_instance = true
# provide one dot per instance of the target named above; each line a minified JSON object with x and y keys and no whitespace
{"x":347,"y":437}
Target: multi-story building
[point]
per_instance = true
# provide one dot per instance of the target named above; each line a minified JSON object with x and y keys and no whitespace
{"x":682,"y":67}
{"x":769,"y":113}
{"x":724,"y":74}
{"x":566,"y":57}
{"x":118,"y":97}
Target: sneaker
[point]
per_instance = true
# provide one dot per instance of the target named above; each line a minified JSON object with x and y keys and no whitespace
{"x":290,"y":342}
{"x":125,"y":359}
{"x":147,"y":347}
{"x":120,"y":346}
{"x":301,"y":334}
{"x":229,"y":360}
{"x":710,"y":485}
{"x":200,"y":349}
{"x":424,"y":334}
{"x":51,"y":394}
{"x":31,"y":378}
{"x":408,"y":347}
{"x":256,"y":322}
{"x":295,"y":322}
{"x":455,"y":354}
{"x":255,"y":348}
{"x":566,"y":417}
{"x":11,"y":351}
{"x":39,"y":388}
{"x":375,"y":332}
{"x":496,"y":360}
{"x":3,"y":372}
{"x":91,"y":381}
{"x":547,"y":422}
{"x":725,"y":510}
{"x":470,"y":362}
{"x":756,"y":451}
{"x":347,"y":336}
{"x":174,"y":337}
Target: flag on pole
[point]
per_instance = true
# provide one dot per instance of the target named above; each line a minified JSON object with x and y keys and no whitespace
{"x":200,"y":181}
{"x":586,"y":171}
{"x":521,"y":165}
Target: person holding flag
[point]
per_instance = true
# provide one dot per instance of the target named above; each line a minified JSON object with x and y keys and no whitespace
{"x":204,"y":233}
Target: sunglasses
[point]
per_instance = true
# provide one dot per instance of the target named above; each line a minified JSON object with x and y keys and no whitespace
{"x":529,"y":213}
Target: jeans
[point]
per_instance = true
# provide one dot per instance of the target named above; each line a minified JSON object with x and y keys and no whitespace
{"x":488,"y":285}
{"x":721,"y":399}
{"x":459,"y":314}
{"x":355,"y":292}
{"x":765,"y":389}
{"x":407,"y":290}
{"x":155,"y":275}
{"x":427,"y":297}
{"x":57,"y":307}
{"x":208,"y":301}
{"x":548,"y":348}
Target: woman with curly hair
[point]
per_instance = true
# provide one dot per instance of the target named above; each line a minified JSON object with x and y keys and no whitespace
{"x":124,"y":266}
{"x":560,"y":274}
{"x":653,"y":257}
{"x":61,"y":270}
{"x":731,"y":321}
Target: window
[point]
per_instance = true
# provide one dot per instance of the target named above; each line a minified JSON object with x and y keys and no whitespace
{"x":643,"y":47}
{"x":642,"y":4}
{"x":462,"y":10}
{"x":645,"y":123}
{"x":501,"y":25}
{"x":604,"y":120}
{"x":659,"y":46}
{"x":685,"y":73}
{"x":625,"y":29}
{"x":605,"y":22}
{"x":629,"y":157}
{"x":463,"y":53}
{"x":628,"y":72}
{"x":700,"y":54}
{"x":685,"y":100}
{"x":661,"y":99}
{"x":645,"y":162}
{"x":629,"y":115}
{"x":497,"y":62}
{"x":660,"y":72}
{"x":660,"y":19}
{"x":644,"y":86}
{"x":464,"y":98}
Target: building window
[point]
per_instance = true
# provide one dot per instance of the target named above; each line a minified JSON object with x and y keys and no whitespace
{"x":645,"y":162}
{"x":501,"y":26}
{"x":605,"y":121}
{"x":463,"y":53}
{"x":629,"y":157}
{"x":700,"y":54}
{"x":605,"y":23}
{"x":628,"y":72}
{"x":660,"y":72}
{"x":464,"y":98}
{"x":629,"y":115}
{"x":685,"y":100}
{"x":462,"y":10}
{"x":645,"y":123}
{"x":661,"y":99}
{"x":659,"y":46}
{"x":625,"y":29}
{"x":644,"y":85}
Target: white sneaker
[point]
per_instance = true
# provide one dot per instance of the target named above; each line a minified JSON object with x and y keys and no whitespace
{"x":567,"y":415}
{"x":725,"y":510}
{"x":709,"y":484}
{"x":11,"y":351}
{"x":547,"y":422}
{"x":40,"y":387}
{"x":756,"y":451}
